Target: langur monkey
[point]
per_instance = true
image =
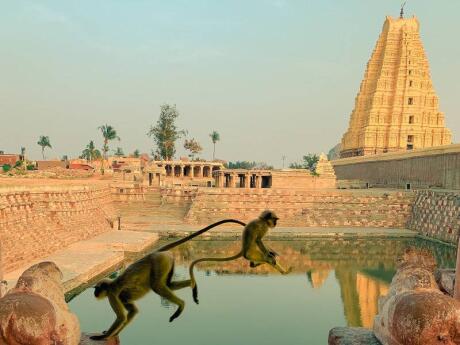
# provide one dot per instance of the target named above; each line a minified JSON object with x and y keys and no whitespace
{"x":153,"y":272}
{"x":253,"y":249}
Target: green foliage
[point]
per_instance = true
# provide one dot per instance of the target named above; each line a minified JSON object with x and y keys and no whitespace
{"x":91,"y":153}
{"x":215,"y":137}
{"x":136,"y":153}
{"x":248,"y":165}
{"x":309,"y":162}
{"x":6,"y":167}
{"x":119,"y":152}
{"x":44,"y":142}
{"x":165,"y":133}
{"x":30,"y":167}
{"x":193,"y":146}
{"x":108,"y":133}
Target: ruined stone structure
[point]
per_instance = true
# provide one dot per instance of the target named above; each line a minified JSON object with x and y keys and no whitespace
{"x":396,"y":108}
{"x":181,"y":173}
{"x":286,"y":178}
{"x":35,"y":222}
{"x":324,"y":167}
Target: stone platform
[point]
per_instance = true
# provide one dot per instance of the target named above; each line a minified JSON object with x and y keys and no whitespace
{"x":86,"y":260}
{"x":352,"y":336}
{"x":288,"y":233}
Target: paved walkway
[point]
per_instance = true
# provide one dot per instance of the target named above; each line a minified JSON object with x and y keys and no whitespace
{"x":85,"y":261}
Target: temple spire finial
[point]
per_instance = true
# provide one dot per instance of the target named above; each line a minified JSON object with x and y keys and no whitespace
{"x":401,"y":14}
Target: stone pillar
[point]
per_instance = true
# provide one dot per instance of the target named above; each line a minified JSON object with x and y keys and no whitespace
{"x":234,"y":178}
{"x":1,"y":265}
{"x":200,"y":173}
{"x":247,"y":181}
{"x":258,"y":181}
{"x":457,"y":274}
{"x":221,"y":180}
{"x":182,"y":171}
{"x":192,"y":172}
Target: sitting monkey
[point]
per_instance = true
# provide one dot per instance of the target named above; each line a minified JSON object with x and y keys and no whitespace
{"x":153,"y":272}
{"x":253,"y":249}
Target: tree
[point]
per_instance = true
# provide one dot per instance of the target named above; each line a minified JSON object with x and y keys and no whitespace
{"x":108,"y":133}
{"x":91,"y":153}
{"x":193,"y":146}
{"x":119,"y":152}
{"x":165,"y":133}
{"x":309,"y":162}
{"x":136,"y":153}
{"x":44,"y":141}
{"x":248,"y":165}
{"x":215,"y":137}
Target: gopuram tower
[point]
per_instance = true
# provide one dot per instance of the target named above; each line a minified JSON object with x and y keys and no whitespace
{"x":396,"y":108}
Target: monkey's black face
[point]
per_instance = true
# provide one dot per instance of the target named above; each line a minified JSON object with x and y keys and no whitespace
{"x":100,"y":290}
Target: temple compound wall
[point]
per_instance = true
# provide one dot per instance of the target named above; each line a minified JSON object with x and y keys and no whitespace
{"x":35,"y":222}
{"x":436,"y":167}
{"x":304,"y":208}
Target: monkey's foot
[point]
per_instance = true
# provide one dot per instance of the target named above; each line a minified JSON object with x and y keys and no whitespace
{"x":289,"y":270}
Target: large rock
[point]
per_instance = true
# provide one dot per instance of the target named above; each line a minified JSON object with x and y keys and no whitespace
{"x":415,"y":311}
{"x":35,"y":312}
{"x":352,"y":336}
{"x":446,"y":280}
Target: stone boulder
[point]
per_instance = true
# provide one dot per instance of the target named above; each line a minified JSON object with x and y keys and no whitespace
{"x":35,"y":312}
{"x":415,"y":311}
{"x":446,"y":280}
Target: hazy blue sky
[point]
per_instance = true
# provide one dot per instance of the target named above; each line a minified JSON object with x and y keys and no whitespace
{"x":273,"y":77}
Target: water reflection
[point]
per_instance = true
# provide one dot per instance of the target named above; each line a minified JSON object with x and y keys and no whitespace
{"x":362,"y":268}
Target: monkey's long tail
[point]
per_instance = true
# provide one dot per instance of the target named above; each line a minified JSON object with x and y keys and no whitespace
{"x":192,"y":275}
{"x":197,"y":233}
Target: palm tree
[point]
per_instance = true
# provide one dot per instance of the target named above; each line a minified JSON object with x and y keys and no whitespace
{"x":108,"y":133}
{"x":91,"y":152}
{"x":44,"y":141}
{"x":215,"y":137}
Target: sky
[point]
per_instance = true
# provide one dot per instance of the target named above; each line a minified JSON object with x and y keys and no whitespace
{"x":274,"y":77}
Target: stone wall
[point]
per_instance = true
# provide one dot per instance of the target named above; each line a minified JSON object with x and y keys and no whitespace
{"x":425,"y":168}
{"x":35,"y":222}
{"x":178,"y":194}
{"x":305,"y":208}
{"x":436,"y":214}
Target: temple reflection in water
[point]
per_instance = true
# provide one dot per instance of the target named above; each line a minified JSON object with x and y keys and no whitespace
{"x":362,"y":268}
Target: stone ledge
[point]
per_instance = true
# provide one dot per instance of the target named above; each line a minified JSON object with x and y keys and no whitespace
{"x":352,"y":336}
{"x":85,"y":260}
{"x":85,"y":340}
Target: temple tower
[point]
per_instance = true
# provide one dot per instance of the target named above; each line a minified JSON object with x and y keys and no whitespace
{"x":396,"y":108}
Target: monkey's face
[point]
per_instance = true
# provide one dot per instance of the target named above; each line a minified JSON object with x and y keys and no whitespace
{"x":270,"y":217}
{"x":100,"y":290}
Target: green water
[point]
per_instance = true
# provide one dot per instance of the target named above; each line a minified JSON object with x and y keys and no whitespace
{"x":334,"y":283}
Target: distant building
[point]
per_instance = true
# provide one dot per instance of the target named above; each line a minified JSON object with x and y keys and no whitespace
{"x":9,"y":159}
{"x":50,"y":164}
{"x":397,"y":107}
